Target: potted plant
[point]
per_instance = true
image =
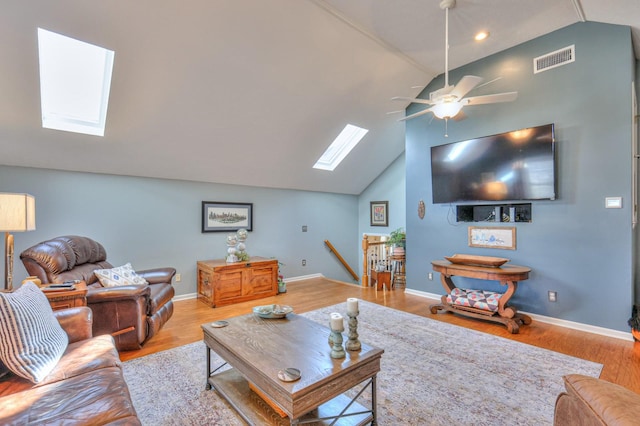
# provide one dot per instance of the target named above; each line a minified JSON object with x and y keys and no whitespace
{"x":282,"y":285}
{"x":397,"y":240}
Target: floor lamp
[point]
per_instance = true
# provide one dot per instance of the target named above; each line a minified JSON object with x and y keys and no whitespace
{"x":17,"y":214}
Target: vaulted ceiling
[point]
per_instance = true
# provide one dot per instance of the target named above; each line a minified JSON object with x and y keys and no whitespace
{"x":252,"y":92}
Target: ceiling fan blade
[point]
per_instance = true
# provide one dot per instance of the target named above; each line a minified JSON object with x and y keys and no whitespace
{"x":491,"y":99}
{"x":465,"y":85}
{"x":412,"y":100}
{"x":489,"y":82}
{"x":417,"y":114}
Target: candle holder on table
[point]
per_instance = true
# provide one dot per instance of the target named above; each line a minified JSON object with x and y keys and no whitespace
{"x":337,"y":351}
{"x":353,"y":344}
{"x":335,"y":338}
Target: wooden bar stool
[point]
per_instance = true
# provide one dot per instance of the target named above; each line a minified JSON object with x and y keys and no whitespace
{"x":398,"y":277}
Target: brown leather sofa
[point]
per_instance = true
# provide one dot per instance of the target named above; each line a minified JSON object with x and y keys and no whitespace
{"x":594,"y":402}
{"x":132,"y":314}
{"x":85,"y":388}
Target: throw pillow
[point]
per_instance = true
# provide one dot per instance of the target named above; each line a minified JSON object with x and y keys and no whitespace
{"x":31,"y":338}
{"x":122,"y":275}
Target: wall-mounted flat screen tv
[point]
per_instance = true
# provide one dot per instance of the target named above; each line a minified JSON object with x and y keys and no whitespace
{"x":514,"y":166}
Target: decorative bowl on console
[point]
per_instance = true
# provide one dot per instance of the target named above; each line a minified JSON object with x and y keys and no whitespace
{"x":469,"y":259}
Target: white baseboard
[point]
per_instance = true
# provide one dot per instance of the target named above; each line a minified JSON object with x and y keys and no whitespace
{"x":302,"y":277}
{"x":549,"y":320}
{"x":185,"y":297}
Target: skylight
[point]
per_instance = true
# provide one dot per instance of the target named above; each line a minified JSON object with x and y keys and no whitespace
{"x":75,"y":78}
{"x":340,"y":147}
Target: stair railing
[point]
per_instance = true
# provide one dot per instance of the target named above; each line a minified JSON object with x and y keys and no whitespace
{"x":374,"y":253}
{"x":341,"y":259}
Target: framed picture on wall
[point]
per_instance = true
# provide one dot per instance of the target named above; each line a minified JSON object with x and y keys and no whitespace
{"x":493,"y":237}
{"x":225,"y":217}
{"x":379,"y":212}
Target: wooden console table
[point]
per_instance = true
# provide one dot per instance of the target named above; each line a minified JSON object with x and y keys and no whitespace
{"x":508,"y":275}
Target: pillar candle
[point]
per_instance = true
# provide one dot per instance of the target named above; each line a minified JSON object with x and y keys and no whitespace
{"x":352,"y":305}
{"x":337,"y":323}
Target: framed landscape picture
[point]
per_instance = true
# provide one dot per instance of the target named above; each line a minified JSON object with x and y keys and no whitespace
{"x":379,"y":212}
{"x":225,"y":217}
{"x":493,"y":237}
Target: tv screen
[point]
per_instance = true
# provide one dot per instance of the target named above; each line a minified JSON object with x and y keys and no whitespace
{"x":517,"y":165}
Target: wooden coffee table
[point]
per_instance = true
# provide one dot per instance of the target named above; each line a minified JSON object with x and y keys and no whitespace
{"x":258,"y":349}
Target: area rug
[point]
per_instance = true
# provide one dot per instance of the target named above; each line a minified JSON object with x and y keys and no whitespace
{"x":432,"y":373}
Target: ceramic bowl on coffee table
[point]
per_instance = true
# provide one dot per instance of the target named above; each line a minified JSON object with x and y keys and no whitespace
{"x":272,"y":311}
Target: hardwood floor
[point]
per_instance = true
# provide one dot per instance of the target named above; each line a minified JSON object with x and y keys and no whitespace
{"x":621,"y":359}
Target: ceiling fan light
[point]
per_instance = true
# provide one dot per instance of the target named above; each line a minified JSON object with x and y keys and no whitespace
{"x":482,"y":35}
{"x":446,"y":109}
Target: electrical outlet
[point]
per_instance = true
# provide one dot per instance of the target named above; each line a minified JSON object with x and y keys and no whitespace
{"x":178,"y":278}
{"x":304,"y":262}
{"x":430,"y":276}
{"x":553,"y":296}
{"x":304,"y":228}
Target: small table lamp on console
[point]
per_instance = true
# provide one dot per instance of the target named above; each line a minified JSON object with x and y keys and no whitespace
{"x":17,"y":214}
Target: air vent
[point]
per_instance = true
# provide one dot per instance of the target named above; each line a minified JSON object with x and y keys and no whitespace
{"x":554,"y":59}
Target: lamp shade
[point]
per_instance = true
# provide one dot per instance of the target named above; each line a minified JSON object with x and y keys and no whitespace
{"x":446,"y":109}
{"x":17,"y":212}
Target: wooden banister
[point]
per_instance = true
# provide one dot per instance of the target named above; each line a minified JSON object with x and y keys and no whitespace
{"x":366,"y":244}
{"x":365,"y":266}
{"x":341,"y":259}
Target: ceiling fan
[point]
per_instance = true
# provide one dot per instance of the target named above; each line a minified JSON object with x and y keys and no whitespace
{"x":447,"y":102}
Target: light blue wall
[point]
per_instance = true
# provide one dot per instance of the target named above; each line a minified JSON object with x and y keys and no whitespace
{"x":574,"y":245}
{"x":156,"y":222}
{"x":389,"y":186}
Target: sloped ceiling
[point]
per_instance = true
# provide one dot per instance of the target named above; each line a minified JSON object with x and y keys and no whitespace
{"x":251,"y":92}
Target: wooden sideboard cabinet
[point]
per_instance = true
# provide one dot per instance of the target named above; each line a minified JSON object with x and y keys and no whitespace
{"x":221,"y":283}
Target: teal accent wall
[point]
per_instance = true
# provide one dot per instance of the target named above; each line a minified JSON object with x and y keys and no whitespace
{"x":574,"y":245}
{"x":158,"y":222}
{"x":636,"y":160}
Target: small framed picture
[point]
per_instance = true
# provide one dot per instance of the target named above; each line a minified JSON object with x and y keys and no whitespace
{"x":493,"y":237}
{"x":225,"y":217}
{"x":379,"y":212}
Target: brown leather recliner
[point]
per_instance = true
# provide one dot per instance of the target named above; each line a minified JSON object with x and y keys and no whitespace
{"x":589,"y":401}
{"x":131,"y":314}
